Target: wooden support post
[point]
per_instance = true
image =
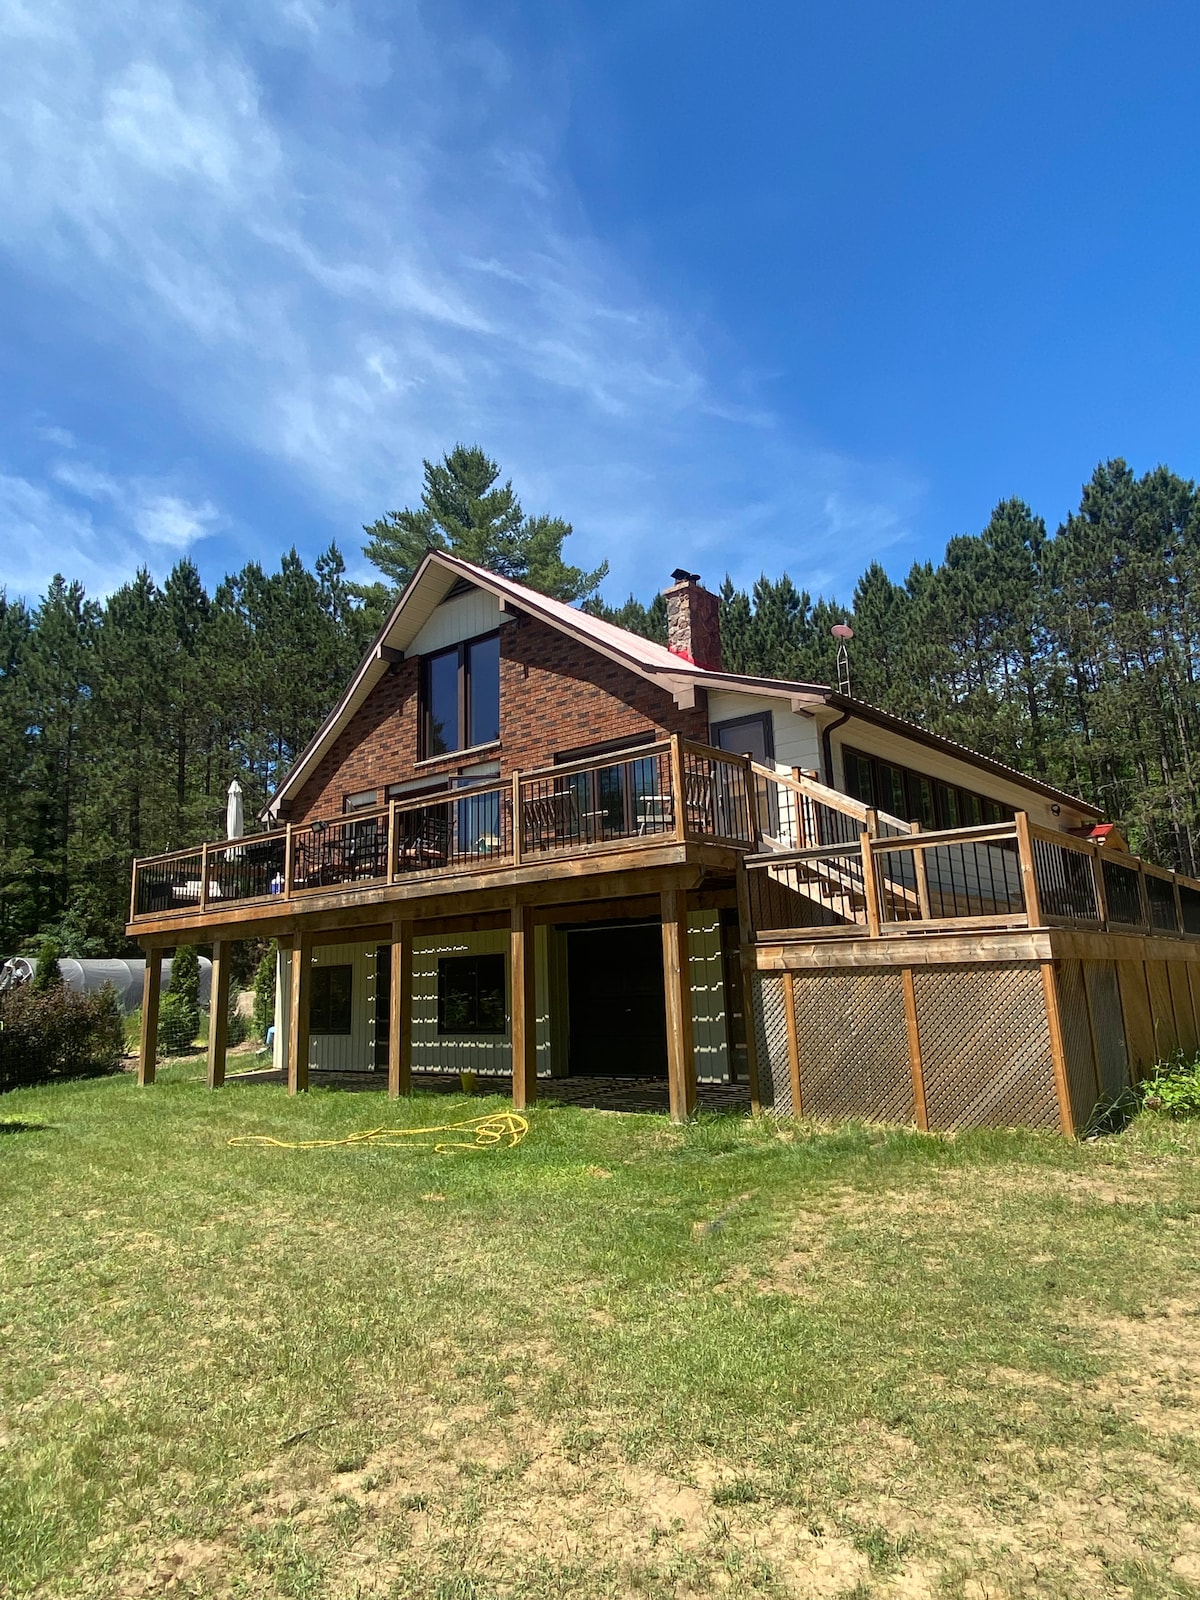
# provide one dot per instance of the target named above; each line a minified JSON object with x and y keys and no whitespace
{"x":151,"y":988}
{"x":1033,"y":905}
{"x":297,"y":1063}
{"x":133,"y":891}
{"x":204,"y":877}
{"x":793,"y":1042}
{"x":523,"y":977}
{"x":680,"y":798}
{"x":914,"y":1049}
{"x":921,"y":868}
{"x":392,"y":850}
{"x":681,"y":1058}
{"x":287,"y":862}
{"x":1058,"y":1055}
{"x":870,"y":885}
{"x":218,"y":1013}
{"x":400,"y":1010}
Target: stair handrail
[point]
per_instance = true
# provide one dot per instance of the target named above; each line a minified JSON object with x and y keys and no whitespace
{"x":862,"y":813}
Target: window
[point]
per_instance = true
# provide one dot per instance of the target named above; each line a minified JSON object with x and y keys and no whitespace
{"x":461,"y":696}
{"x":913,"y":797}
{"x":364,"y":800}
{"x":329,"y":1006}
{"x":471,"y":994}
{"x":752,"y":736}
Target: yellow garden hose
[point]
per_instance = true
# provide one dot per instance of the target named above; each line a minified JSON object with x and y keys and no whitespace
{"x":496,"y":1128}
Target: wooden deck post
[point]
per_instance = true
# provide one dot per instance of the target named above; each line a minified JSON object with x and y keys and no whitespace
{"x":151,"y":988}
{"x":1058,"y":1054}
{"x":297,"y":1064}
{"x":400,"y":1010}
{"x":218,"y":1013}
{"x":749,"y":967}
{"x":524,"y":1008}
{"x":516,"y":819}
{"x":921,"y":868}
{"x":870,"y":885}
{"x":914,"y":1049}
{"x":1033,"y":905}
{"x":680,"y":801}
{"x":681,"y":1057}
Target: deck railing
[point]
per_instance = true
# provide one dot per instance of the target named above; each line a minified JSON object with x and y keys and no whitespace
{"x":1011,"y":874}
{"x":671,"y":790}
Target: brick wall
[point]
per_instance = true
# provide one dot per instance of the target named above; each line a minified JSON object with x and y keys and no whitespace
{"x":555,"y":694}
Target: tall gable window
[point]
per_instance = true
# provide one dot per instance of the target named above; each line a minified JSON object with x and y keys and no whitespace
{"x":461,"y":696}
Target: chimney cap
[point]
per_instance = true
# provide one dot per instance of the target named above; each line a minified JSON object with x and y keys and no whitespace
{"x":681,"y":576}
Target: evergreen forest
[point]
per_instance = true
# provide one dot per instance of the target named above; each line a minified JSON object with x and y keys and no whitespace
{"x":1073,"y":655}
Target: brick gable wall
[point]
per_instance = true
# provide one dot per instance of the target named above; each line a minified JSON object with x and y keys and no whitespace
{"x":555,"y":694}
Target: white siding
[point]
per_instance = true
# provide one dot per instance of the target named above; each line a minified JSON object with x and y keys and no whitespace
{"x":454,"y":620}
{"x":492,"y":1055}
{"x":352,"y":1052}
{"x":797,"y":742}
{"x":457,"y":1052}
{"x":707,"y":976}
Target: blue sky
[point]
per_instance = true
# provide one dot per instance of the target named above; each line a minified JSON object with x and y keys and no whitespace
{"x":741,"y":287}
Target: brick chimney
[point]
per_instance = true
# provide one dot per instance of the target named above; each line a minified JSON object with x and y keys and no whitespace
{"x":693,"y":621}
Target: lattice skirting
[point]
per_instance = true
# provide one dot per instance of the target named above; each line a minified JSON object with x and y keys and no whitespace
{"x":853,"y":1046}
{"x":984,"y":1046}
{"x":770,"y":1019}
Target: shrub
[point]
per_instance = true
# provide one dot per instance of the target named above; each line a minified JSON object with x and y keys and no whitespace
{"x":264,"y":992}
{"x":185,"y":977}
{"x":53,"y":1033}
{"x":1174,"y":1089}
{"x":47,"y":975}
{"x":178,"y":1024}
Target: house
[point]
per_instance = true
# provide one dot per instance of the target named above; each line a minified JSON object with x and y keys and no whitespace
{"x":532,"y":844}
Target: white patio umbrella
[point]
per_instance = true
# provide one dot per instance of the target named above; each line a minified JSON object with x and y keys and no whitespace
{"x":235,"y":815}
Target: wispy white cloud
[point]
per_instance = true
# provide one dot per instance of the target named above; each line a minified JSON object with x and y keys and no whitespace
{"x":82,"y":522}
{"x":344,"y":282}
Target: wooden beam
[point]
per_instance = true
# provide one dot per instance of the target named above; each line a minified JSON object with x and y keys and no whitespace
{"x":1058,"y":1054}
{"x":793,"y":1042}
{"x":681,"y":1058}
{"x":914,"y":1049}
{"x":400,"y":1010}
{"x":298,"y":1014}
{"x":151,"y":988}
{"x":523,"y":975}
{"x":218,"y":1012}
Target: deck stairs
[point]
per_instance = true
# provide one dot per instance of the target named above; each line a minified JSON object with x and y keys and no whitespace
{"x":816,"y":832}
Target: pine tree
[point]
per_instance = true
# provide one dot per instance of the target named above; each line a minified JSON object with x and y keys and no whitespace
{"x":464,"y":512}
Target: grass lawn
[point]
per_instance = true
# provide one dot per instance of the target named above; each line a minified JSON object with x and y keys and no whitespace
{"x":620,"y":1360}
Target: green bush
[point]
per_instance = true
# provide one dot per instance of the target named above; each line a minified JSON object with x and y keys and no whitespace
{"x":178,"y":1024}
{"x":1174,"y":1089}
{"x":53,"y":1033}
{"x":264,"y":992}
{"x":185,"y":976}
{"x":47,"y":975}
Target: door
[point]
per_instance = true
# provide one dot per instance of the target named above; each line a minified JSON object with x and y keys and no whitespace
{"x":617,"y":1002}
